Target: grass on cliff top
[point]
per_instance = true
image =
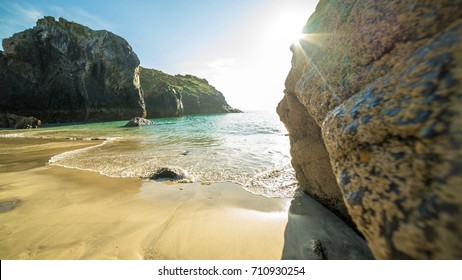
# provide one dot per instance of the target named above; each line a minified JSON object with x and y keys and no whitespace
{"x":186,"y":84}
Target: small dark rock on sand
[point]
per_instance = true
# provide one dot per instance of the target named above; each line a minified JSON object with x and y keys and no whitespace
{"x":316,"y":246}
{"x":6,"y":206}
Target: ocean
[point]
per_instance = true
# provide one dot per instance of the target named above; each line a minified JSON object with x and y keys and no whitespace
{"x":250,"y":149}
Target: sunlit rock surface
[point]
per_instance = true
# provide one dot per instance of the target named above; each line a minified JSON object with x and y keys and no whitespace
{"x":375,"y":87}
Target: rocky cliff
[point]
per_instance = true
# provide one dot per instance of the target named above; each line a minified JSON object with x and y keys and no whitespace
{"x":62,"y":71}
{"x":373,"y":106}
{"x":168,"y":95}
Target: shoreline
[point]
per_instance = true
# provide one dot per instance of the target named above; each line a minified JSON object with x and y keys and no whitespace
{"x":53,"y":212}
{"x":66,"y":213}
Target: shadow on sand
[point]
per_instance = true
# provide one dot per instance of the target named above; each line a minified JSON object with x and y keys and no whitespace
{"x":315,"y":233}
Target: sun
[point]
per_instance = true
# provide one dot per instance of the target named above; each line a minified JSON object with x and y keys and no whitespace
{"x":288,"y":26}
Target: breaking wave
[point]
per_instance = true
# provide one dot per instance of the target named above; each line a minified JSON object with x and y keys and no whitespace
{"x":251,"y":149}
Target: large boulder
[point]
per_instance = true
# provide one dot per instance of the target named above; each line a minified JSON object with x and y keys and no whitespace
{"x":61,"y":71}
{"x":170,"y":174}
{"x":137,"y":122}
{"x":18,"y":122}
{"x":375,"y":87}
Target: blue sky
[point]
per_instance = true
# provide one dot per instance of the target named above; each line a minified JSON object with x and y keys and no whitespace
{"x":240,"y":46}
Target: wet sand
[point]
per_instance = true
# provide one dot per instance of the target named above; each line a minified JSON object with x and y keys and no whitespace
{"x":58,"y":213}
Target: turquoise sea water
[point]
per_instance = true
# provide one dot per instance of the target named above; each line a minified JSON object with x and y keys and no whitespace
{"x":251,"y":149}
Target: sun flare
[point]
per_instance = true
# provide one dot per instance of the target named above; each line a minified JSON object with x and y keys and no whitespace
{"x":289,"y":26}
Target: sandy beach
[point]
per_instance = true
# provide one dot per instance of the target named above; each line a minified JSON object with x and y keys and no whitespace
{"x":52,"y":212}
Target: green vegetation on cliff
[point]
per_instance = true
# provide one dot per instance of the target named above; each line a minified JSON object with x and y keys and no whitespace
{"x":186,"y":84}
{"x":181,"y":92}
{"x":62,"y":71}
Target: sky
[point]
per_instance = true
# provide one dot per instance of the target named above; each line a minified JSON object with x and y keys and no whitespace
{"x":240,"y":46}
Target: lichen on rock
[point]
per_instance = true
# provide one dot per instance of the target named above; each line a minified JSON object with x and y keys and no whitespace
{"x":376,"y":87}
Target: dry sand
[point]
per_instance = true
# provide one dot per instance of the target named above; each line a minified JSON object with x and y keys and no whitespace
{"x":52,"y":212}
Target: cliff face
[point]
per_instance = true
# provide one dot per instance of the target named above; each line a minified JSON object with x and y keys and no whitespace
{"x":373,"y":106}
{"x":168,"y":95}
{"x":61,"y":71}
